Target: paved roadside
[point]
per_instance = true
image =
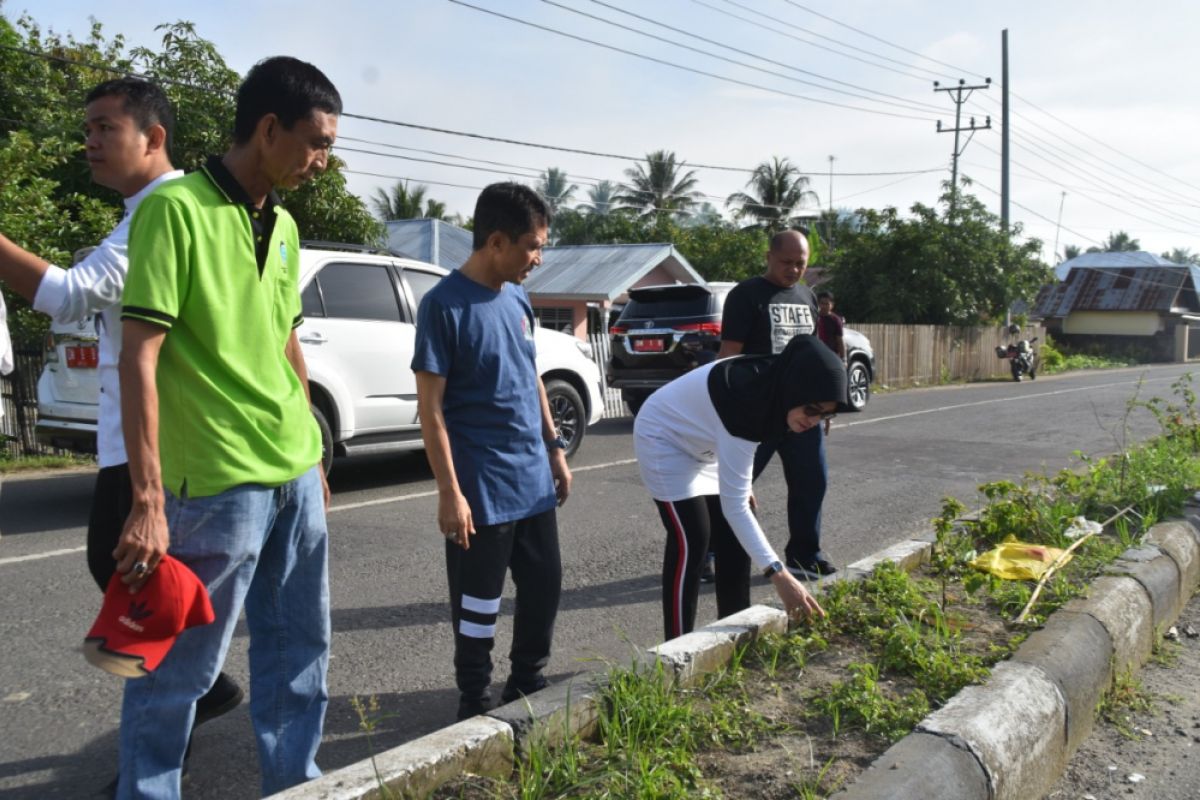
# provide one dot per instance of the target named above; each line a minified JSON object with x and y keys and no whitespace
{"x":1163,"y":761}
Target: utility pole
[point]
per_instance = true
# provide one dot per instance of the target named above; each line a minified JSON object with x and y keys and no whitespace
{"x":1004,"y":131}
{"x":829,"y":223}
{"x":1061,"y":202}
{"x":957,"y":95}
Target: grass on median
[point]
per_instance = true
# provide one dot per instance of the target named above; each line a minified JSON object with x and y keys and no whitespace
{"x":802,"y":714}
{"x":12,"y":466}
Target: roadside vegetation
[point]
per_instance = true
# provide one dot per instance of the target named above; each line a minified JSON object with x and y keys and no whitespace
{"x":800,"y":715}
{"x":1055,"y":360}
{"x":10,"y":465}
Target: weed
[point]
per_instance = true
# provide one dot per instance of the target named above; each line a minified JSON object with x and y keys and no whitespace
{"x":1125,"y":697}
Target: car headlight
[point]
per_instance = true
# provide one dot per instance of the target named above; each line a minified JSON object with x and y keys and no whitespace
{"x":585,"y":348}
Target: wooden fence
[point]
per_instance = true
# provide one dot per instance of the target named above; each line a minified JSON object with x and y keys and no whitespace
{"x":921,"y":355}
{"x":905,"y":355}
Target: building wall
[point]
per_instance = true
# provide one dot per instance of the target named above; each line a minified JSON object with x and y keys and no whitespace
{"x":1113,"y":323}
{"x":579,"y":314}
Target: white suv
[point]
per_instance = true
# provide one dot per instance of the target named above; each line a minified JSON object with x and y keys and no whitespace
{"x":360,"y":309}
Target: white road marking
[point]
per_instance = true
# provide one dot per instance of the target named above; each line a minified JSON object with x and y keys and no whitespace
{"x":37,"y":556}
{"x":625,"y":461}
{"x":999,"y":400}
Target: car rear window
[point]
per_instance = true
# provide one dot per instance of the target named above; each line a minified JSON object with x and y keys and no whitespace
{"x":681,"y":302}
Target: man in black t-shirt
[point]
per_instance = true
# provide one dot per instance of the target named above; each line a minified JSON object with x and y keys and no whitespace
{"x":761,"y":316}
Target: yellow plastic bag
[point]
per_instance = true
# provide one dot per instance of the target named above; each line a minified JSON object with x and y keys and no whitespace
{"x":1018,"y":561}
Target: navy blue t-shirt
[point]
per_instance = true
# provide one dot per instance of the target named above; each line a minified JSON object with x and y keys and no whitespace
{"x":481,"y":342}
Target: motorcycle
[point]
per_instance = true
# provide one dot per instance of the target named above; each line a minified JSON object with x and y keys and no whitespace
{"x":1022,"y":356}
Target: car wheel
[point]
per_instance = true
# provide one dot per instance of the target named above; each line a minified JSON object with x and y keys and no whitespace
{"x":634,"y":400}
{"x":859,"y":384}
{"x":568,"y":412}
{"x":326,"y":439}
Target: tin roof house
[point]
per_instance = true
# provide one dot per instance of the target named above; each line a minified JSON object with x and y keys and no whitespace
{"x":1115,"y":300}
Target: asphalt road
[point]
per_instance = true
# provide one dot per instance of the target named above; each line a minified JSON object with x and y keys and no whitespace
{"x":889,"y":469}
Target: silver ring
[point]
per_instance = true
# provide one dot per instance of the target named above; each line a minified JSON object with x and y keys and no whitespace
{"x":141,"y":568}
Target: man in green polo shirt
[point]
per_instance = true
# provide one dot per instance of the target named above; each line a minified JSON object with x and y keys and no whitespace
{"x":223,"y":450}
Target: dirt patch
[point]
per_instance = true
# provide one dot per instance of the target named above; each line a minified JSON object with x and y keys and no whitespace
{"x":1157,"y":757}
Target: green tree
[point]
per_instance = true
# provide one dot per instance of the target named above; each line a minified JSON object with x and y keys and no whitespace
{"x":601,"y":198}
{"x":1119,"y":242}
{"x":779,"y":190}
{"x":42,"y":93}
{"x":1182,"y":255}
{"x":659,"y":186}
{"x":556,"y":189}
{"x":403,"y":202}
{"x":925,"y":269}
{"x":1071,"y":251}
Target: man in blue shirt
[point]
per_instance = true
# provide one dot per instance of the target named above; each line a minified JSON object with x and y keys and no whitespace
{"x":499,"y":463}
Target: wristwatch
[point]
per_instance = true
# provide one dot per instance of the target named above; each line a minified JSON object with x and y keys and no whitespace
{"x":557,"y":443}
{"x":773,"y":569}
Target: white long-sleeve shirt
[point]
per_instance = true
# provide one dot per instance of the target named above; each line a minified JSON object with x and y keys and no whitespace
{"x":683,"y":450}
{"x":94,"y":286}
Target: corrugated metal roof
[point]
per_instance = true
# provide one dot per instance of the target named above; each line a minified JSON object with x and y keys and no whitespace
{"x":1143,"y":288}
{"x":1136,"y":259}
{"x":603,"y":271}
{"x":430,"y":240}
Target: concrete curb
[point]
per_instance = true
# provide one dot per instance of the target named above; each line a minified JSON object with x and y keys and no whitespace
{"x":1007,"y":738}
{"x":1022,"y":725}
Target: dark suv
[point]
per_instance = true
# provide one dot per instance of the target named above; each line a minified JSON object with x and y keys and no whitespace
{"x":662,"y":332}
{"x":666,"y":330}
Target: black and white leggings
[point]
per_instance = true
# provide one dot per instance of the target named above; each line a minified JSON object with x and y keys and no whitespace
{"x":695,"y":526}
{"x":529,"y":547}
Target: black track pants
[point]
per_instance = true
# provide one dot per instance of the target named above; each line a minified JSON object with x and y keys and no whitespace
{"x":529,"y":547}
{"x":112,"y":500}
{"x":695,"y":526}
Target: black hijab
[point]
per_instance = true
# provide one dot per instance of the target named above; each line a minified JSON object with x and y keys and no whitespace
{"x":753,"y":394}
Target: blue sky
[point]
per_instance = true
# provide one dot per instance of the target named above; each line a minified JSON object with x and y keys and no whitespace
{"x":1115,"y":76}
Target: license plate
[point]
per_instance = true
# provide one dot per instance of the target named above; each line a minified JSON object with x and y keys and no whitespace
{"x":84,"y":356}
{"x":647,"y":345}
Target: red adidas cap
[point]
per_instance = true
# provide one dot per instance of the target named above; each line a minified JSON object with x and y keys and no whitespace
{"x":134,"y":630}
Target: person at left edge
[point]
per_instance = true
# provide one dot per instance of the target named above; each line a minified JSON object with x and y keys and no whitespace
{"x":223,"y":449}
{"x":128,"y":128}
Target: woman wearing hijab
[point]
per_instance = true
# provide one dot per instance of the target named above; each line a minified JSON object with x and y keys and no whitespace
{"x":695,"y":440}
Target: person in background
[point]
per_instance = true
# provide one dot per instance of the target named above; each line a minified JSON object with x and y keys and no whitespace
{"x":761,"y":315}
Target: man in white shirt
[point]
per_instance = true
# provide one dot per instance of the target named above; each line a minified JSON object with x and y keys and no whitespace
{"x":128,"y":126}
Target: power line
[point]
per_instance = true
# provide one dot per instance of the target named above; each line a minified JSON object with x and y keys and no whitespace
{"x":1145,"y":182}
{"x":1038,"y":215}
{"x":727,"y":60}
{"x":1103,"y":203}
{"x":914,"y":105}
{"x":880,"y":39}
{"x":452,"y":132}
{"x":681,"y":67}
{"x":1030,"y":176}
{"x":779,"y":21}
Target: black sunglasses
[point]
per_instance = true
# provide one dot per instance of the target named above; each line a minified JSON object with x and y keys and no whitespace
{"x":815,"y":411}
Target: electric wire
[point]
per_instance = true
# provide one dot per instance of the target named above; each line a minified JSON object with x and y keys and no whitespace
{"x":913,"y":105}
{"x":673,"y":65}
{"x":880,"y":39}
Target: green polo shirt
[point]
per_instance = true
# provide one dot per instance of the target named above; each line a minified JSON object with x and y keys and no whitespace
{"x":231,"y":409}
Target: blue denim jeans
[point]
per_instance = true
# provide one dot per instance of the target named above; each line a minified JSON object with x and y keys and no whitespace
{"x":265,"y":549}
{"x":806,"y":473}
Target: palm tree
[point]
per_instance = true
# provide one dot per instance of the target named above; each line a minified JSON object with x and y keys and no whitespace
{"x":1070,"y":251}
{"x":552,"y":185}
{"x":1182,"y":255}
{"x":659,"y":186}
{"x":1119,"y":242}
{"x":601,"y":197}
{"x":779,"y":191}
{"x":405,"y":203}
